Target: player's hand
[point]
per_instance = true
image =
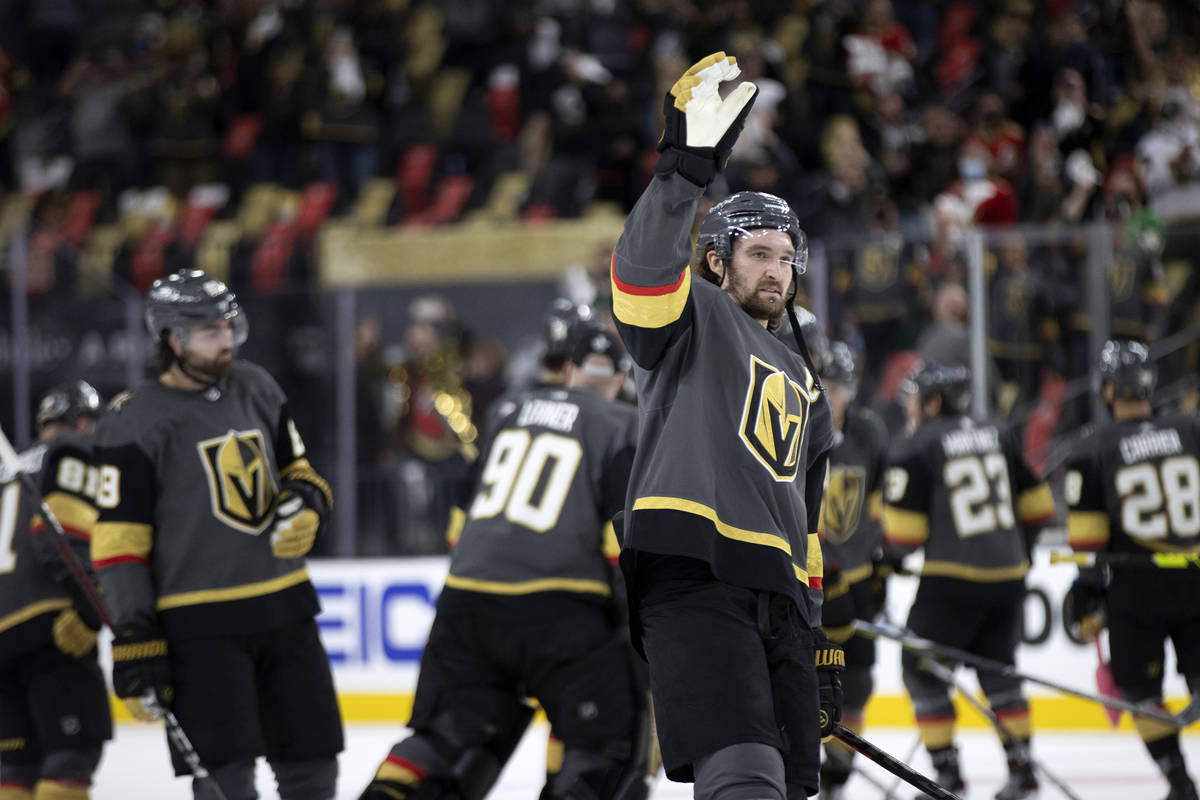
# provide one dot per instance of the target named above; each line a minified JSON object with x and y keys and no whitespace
{"x":701,"y":128}
{"x":1084,"y":610}
{"x":141,"y":672}
{"x":830,"y":662}
{"x":295,"y":526}
{"x":73,"y":635}
{"x":884,"y":567}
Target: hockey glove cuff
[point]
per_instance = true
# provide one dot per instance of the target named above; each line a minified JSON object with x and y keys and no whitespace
{"x":830,"y":661}
{"x":1084,"y":610}
{"x":701,"y":128}
{"x":141,"y":673}
{"x":299,"y":512}
{"x":73,"y":635}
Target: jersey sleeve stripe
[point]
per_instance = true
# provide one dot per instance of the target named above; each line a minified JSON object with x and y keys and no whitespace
{"x":650,"y":306}
{"x":816,"y":562}
{"x":33,"y":610}
{"x":121,"y":541}
{"x":909,"y":528}
{"x":75,"y":515}
{"x":1087,"y":530}
{"x":1035,"y":505}
{"x":454,"y":527}
{"x":611,"y":547}
{"x":875,"y":505}
{"x":395,"y":768}
{"x":577,"y":585}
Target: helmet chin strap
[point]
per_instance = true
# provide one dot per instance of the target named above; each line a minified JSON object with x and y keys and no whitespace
{"x":803,"y":346}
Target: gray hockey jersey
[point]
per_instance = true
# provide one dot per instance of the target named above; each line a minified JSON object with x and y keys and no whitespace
{"x":187,"y":484}
{"x":549,"y":480}
{"x":963,"y":491}
{"x":733,"y":433}
{"x":30,"y":594}
{"x":853,"y":503}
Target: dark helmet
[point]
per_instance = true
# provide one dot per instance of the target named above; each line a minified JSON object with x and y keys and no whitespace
{"x":561,"y":319}
{"x":592,"y":338}
{"x":68,"y":403}
{"x":951,"y":383}
{"x":1128,"y":367}
{"x":192,"y":297}
{"x":747,"y":211}
{"x":840,"y":365}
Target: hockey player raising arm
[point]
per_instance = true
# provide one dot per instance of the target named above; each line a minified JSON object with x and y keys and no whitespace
{"x":1133,"y":487}
{"x":207,"y":506}
{"x":720,"y":556}
{"x":962,"y":490}
{"x":49,"y":675}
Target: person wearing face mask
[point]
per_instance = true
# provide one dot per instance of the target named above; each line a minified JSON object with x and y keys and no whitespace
{"x":989,"y":198}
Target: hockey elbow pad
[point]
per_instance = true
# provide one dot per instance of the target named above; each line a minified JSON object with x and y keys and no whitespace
{"x":701,"y":128}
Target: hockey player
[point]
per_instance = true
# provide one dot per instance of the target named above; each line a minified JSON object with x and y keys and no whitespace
{"x":962,"y":490}
{"x":527,"y":606}
{"x":54,"y":715}
{"x":851,"y":538}
{"x":1134,"y":487}
{"x":720,"y":551}
{"x":207,"y":506}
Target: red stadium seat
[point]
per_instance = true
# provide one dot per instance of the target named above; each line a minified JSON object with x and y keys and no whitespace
{"x":80,"y":215}
{"x":415,"y":174}
{"x":241,"y":137}
{"x":272,"y":256}
{"x":452,"y":194}
{"x":315,"y":205}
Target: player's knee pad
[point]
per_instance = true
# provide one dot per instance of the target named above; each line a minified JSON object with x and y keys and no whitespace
{"x":596,"y":775}
{"x":314,"y":779}
{"x":857,"y":685}
{"x":74,"y":765}
{"x":745,"y":771}
{"x":235,"y":778}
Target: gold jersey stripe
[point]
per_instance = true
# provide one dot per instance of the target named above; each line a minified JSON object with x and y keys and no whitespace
{"x":875,"y":505}
{"x":578,"y":585}
{"x":905,"y":527}
{"x":116,"y":539}
{"x":609,"y":544}
{"x":1035,"y":504}
{"x":33,"y":610}
{"x":1087,"y":529}
{"x":242,"y":592}
{"x":650,"y":307}
{"x":74,"y":514}
{"x":723,"y":528}
{"x":952,"y":569}
{"x":816,"y":559}
{"x":858,"y":573}
{"x":454,"y":527}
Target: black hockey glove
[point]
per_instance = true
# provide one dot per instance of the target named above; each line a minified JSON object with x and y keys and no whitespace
{"x":141,"y":672}
{"x":701,"y":128}
{"x":1084,"y":610}
{"x":884,"y":566}
{"x":299,"y":512}
{"x":830,"y":662}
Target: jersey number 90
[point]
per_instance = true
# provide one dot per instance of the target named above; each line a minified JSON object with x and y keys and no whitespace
{"x":513,"y":474}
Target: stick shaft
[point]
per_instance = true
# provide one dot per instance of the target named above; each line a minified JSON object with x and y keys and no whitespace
{"x":911,"y":641}
{"x":1142,"y":560}
{"x":891,"y":764}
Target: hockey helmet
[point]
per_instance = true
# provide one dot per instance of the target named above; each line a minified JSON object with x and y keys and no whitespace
{"x":561,"y":319}
{"x":743,"y":212}
{"x":68,"y":403}
{"x":192,"y":297}
{"x":1127,"y":365}
{"x":951,"y":383}
{"x":840,"y":365}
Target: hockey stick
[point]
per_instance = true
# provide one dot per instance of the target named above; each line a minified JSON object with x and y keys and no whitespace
{"x":1146,"y":560}
{"x":910,"y":641}
{"x":947,"y":676}
{"x":12,"y":463}
{"x":912,"y":751}
{"x":891,"y":764}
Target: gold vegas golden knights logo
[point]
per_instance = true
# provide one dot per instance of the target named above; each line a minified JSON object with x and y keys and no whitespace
{"x":774,"y":417}
{"x":241,"y":486}
{"x":843,"y":502}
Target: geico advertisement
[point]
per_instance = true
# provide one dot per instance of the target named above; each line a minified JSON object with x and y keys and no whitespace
{"x":376,"y":615}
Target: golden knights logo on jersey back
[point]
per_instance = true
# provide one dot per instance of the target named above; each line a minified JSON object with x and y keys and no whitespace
{"x":241,"y":486}
{"x":774,"y":417}
{"x":843,"y":502}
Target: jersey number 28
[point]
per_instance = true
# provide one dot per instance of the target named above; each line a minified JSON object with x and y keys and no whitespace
{"x":1145,"y":489}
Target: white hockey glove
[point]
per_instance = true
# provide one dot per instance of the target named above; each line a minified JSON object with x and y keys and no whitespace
{"x":701,"y":128}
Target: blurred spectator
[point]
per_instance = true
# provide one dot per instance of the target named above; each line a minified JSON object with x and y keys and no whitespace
{"x":837,"y":200}
{"x":342,"y":122}
{"x":1010,"y":39}
{"x":935,"y":158}
{"x":881,"y":52}
{"x":988,"y":199}
{"x":95,"y":87}
{"x":484,"y":376}
{"x":51,"y":32}
{"x":1169,"y":156}
{"x":277,"y":150}
{"x":1024,"y":333}
{"x":1003,"y":138}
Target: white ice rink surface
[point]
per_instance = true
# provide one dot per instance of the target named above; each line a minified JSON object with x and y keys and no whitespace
{"x":1095,"y":765}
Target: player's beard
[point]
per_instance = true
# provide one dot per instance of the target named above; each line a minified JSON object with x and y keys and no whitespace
{"x":209,"y":370}
{"x":760,"y":304}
